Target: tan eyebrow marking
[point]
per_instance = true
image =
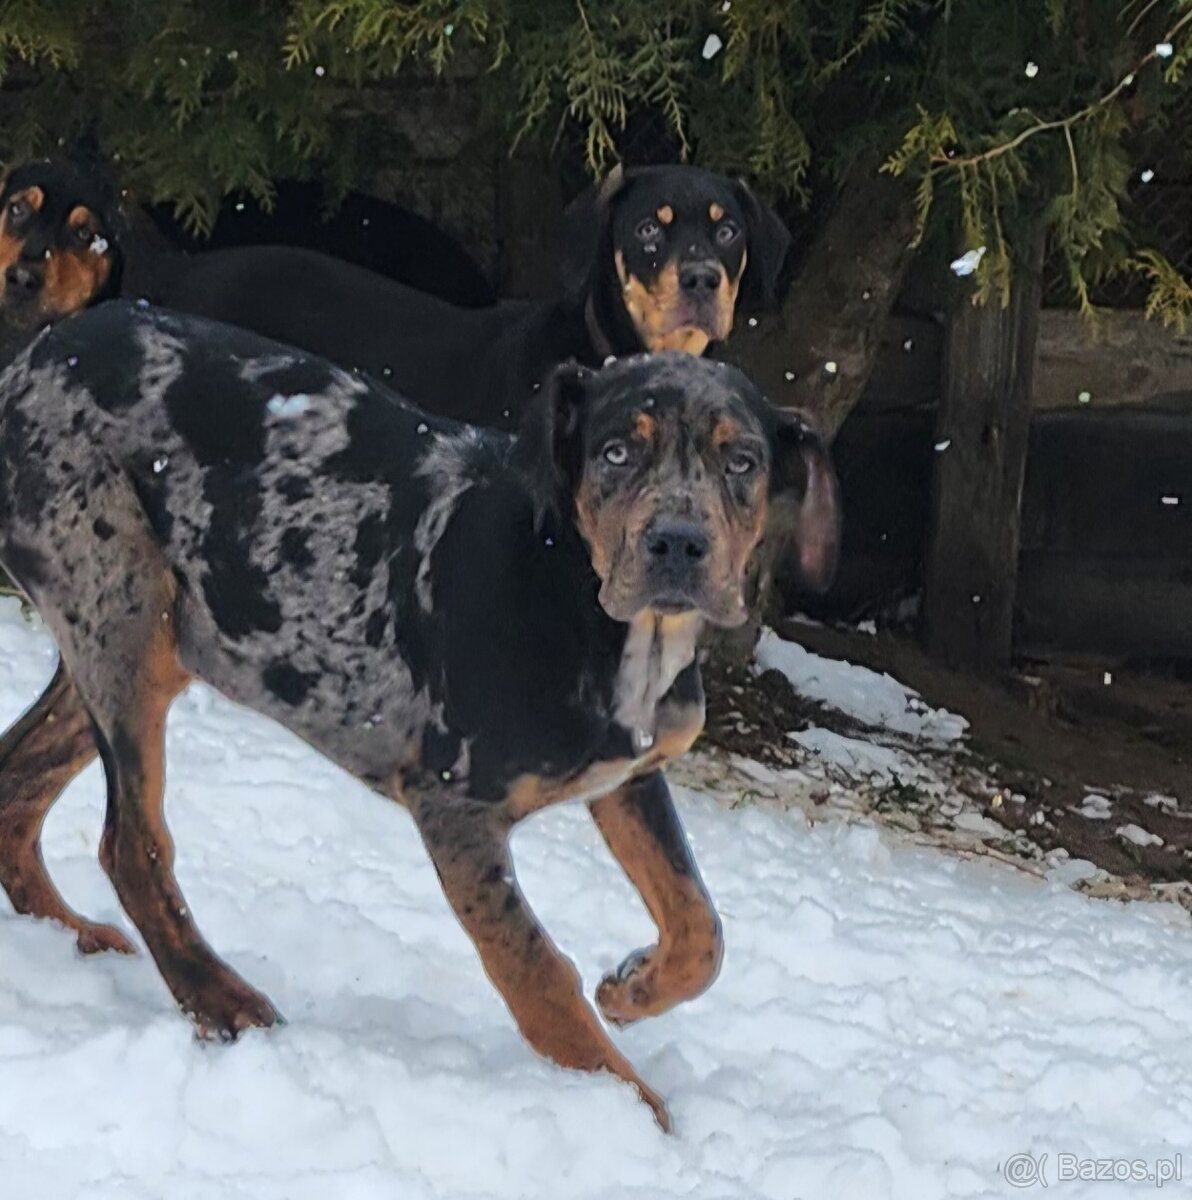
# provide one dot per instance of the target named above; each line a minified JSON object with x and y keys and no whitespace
{"x":715,"y":211}
{"x":725,"y":430}
{"x":666,"y":214}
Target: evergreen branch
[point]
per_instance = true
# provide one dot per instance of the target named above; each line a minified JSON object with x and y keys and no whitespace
{"x":878,"y":24}
{"x":1170,"y":297}
{"x":1073,"y":119}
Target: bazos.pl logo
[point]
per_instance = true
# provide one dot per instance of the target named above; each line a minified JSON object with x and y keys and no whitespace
{"x":1035,"y":1170}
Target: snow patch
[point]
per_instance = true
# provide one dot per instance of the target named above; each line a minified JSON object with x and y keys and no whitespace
{"x":878,"y":701}
{"x":888,"y":1024}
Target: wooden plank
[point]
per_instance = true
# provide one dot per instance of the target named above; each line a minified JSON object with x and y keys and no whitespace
{"x":1126,"y":360}
{"x":1085,"y":606}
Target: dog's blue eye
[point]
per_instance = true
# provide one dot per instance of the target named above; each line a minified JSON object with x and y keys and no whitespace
{"x":725,"y":233}
{"x":739,"y":464}
{"x":649,"y":230}
{"x":17,"y":209}
{"x":616,"y":453}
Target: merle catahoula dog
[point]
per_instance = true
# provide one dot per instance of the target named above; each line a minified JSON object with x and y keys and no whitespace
{"x":653,"y":259}
{"x":474,"y":625}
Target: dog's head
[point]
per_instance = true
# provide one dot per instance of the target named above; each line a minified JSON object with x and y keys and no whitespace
{"x":669,"y":466}
{"x":59,"y":250}
{"x":676,"y":244}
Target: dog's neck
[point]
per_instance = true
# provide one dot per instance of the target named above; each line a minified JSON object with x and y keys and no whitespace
{"x":609,"y":327}
{"x":657,"y":650}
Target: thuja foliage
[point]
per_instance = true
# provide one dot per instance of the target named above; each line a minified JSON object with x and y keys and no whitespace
{"x":1000,"y":111}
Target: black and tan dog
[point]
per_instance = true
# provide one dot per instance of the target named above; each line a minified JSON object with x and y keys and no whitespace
{"x":60,"y":242}
{"x":69,"y":241}
{"x":474,"y":625}
{"x":654,"y":259}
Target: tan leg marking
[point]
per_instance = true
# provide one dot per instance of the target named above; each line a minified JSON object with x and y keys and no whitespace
{"x":642,"y":829}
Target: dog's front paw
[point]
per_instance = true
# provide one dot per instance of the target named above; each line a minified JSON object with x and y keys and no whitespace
{"x":628,"y":993}
{"x":223,"y":1013}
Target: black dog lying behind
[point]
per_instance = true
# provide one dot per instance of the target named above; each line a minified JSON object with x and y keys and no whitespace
{"x":384,"y":238}
{"x":655,"y":259}
{"x":475,"y":626}
{"x":66,"y":243}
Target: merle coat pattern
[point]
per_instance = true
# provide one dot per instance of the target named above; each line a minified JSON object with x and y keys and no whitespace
{"x":425,"y":603}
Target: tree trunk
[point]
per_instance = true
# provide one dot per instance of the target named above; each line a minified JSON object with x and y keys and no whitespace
{"x":838,"y":304}
{"x":981,"y":443}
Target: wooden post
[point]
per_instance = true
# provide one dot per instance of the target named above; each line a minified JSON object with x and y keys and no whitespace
{"x":981,"y":442}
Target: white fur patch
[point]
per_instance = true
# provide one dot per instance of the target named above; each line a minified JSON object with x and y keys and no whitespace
{"x":656,"y":650}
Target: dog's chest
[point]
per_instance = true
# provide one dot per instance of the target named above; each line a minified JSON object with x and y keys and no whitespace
{"x":661,"y":726}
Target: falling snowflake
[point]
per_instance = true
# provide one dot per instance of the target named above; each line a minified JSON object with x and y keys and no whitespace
{"x":99,"y":244}
{"x":160,"y":464}
{"x":908,"y":345}
{"x":753,"y":322}
{"x":788,"y":376}
{"x":1107,"y":678}
{"x":712,"y":47}
{"x":320,"y":71}
{"x":423,"y":427}
{"x":1170,"y":501}
{"x":830,"y":367}
{"x":940,"y":447}
{"x":1147,"y":175}
{"x":1164,"y":49}
{"x":968,"y":262}
{"x":1084,"y":397}
{"x":1032,"y":69}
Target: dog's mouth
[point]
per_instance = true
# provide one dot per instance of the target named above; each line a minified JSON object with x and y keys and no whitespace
{"x":690,"y":320}
{"x":723,"y":606}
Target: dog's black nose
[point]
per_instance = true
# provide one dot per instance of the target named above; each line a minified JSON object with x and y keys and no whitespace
{"x":23,"y":279}
{"x":699,"y":277}
{"x":677,"y":543}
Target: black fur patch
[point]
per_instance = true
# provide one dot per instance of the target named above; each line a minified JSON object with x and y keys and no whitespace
{"x":287,"y":683}
{"x":235,"y":587}
{"x":295,"y":550}
{"x":369,"y":545}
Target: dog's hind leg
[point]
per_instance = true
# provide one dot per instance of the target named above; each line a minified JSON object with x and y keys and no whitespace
{"x":468,"y":844}
{"x":129,"y":695}
{"x":642,"y":829}
{"x":39,"y":755}
{"x":111,"y":602}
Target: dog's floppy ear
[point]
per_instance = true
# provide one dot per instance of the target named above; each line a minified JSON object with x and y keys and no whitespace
{"x":548,"y":450}
{"x":804,"y":523}
{"x":768,"y":240}
{"x":585,"y":223}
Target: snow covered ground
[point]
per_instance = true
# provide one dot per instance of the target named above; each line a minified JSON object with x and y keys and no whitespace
{"x":888,"y":1023}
